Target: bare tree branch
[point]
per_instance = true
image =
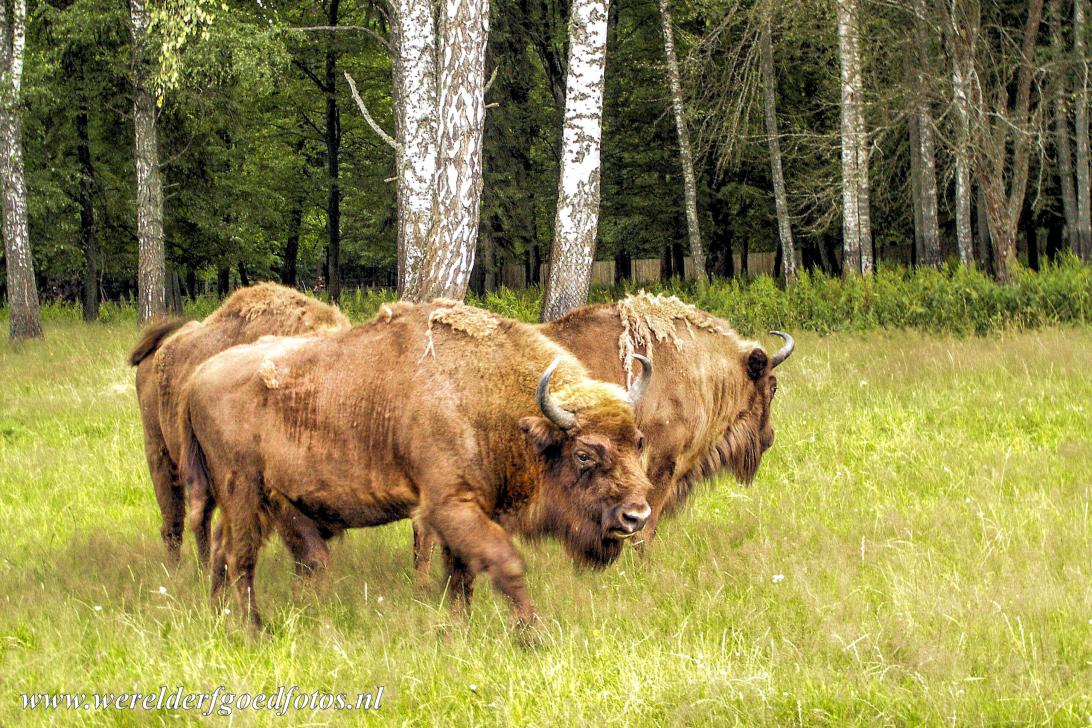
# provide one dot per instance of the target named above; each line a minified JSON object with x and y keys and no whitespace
{"x":368,"y":117}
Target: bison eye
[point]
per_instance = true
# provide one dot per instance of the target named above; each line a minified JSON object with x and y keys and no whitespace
{"x":640,"y":443}
{"x":773,"y":388}
{"x":584,"y":459}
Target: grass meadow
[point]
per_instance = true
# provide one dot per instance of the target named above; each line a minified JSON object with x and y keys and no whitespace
{"x":916,"y":550}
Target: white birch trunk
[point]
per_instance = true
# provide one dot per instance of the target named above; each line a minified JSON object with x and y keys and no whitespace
{"x":856,"y":220}
{"x":25,"y":318}
{"x":577,"y":218}
{"x":690,"y":187}
{"x":964,"y":237}
{"x":1063,"y":149}
{"x":415,"y":82}
{"x":784,"y":226}
{"x":1084,"y":221}
{"x":151,"y":273}
{"x":930,"y":233}
{"x":444,"y":269}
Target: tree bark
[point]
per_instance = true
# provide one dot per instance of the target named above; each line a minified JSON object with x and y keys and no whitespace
{"x":151,"y":274}
{"x":448,"y":260}
{"x":915,"y":185}
{"x":1063,"y":148}
{"x":856,"y":219}
{"x":88,"y":234}
{"x":415,"y":156}
{"x":690,"y":187}
{"x":781,"y":203}
{"x":985,"y":249}
{"x":333,"y":164}
{"x":577,"y":218}
{"x":930,"y":233}
{"x":25,"y":317}
{"x":964,"y":237}
{"x":1084,"y":221}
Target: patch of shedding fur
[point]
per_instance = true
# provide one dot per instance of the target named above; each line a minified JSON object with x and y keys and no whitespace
{"x":471,"y":321}
{"x":268,"y":372}
{"x":283,"y":303}
{"x":649,"y":319}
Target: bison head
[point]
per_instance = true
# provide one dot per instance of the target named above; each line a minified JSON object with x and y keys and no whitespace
{"x":593,"y":488}
{"x":752,"y":435}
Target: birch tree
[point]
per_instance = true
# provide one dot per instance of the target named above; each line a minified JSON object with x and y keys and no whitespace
{"x":1084,"y":221}
{"x":577,"y":217}
{"x":930,"y":233}
{"x":769,"y":87}
{"x":690,"y":187}
{"x":447,"y":261}
{"x":1062,"y":147}
{"x":415,"y":150}
{"x":151,"y":267}
{"x":25,"y":321}
{"x":962,"y":147}
{"x":856,"y":219}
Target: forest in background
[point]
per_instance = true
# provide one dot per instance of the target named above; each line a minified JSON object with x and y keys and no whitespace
{"x":268,"y":166}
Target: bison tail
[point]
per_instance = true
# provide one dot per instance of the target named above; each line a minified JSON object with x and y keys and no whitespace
{"x":192,"y":465}
{"x":152,"y":337}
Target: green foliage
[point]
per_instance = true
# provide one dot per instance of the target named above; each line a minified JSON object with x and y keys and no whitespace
{"x":955,"y":300}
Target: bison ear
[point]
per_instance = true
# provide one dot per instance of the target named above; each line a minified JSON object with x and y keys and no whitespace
{"x":540,"y":433}
{"x":756,"y":363}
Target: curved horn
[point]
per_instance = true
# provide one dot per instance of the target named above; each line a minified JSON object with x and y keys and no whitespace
{"x":785,"y":351}
{"x":637,"y":389}
{"x":557,"y":414}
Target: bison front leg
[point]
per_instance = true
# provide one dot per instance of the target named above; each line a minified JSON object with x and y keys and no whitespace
{"x":424,"y":543}
{"x":460,"y":581}
{"x":479,"y":544}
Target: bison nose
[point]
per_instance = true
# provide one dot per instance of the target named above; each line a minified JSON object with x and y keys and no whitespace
{"x":632,"y":519}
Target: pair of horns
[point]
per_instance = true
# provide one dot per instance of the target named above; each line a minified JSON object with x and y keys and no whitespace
{"x":565,"y":419}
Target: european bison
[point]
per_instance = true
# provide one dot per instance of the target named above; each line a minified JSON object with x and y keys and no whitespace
{"x":169,"y":351}
{"x":707,"y":411}
{"x":439,"y":411}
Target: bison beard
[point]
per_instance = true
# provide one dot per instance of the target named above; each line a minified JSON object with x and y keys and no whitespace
{"x":465,"y":436}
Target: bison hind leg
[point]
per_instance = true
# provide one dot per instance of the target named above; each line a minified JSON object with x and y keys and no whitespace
{"x":424,"y":544}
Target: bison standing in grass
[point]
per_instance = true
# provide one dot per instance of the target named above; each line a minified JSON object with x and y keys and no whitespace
{"x":439,"y":411}
{"x":167,"y":354}
{"x":707,"y":412}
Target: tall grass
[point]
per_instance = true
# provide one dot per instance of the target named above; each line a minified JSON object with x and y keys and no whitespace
{"x":914,"y":551}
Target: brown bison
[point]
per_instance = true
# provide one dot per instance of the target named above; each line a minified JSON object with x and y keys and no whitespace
{"x":167,"y":354}
{"x":707,"y":411}
{"x":439,"y":411}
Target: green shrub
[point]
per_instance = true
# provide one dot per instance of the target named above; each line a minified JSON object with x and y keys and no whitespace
{"x":954,"y":299}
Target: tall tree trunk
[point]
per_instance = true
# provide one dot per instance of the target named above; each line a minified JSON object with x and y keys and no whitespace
{"x":690,"y":187}
{"x":223,"y":281}
{"x":1062,"y":147}
{"x":25,"y":319}
{"x":964,"y":237}
{"x":781,"y":203}
{"x":151,"y":267}
{"x":1084,"y":221}
{"x":985,"y":249}
{"x":930,"y":233}
{"x":856,"y":219}
{"x":415,"y":156}
{"x":449,"y":258}
{"x":88,"y":234}
{"x":577,"y":218}
{"x":915,"y":186}
{"x":333,"y":163}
